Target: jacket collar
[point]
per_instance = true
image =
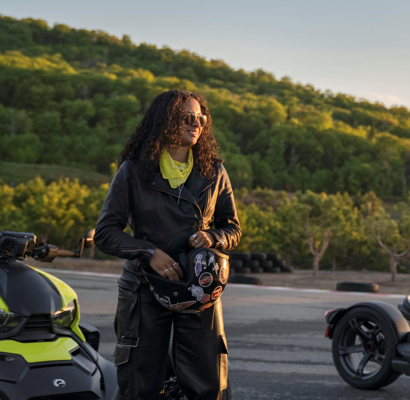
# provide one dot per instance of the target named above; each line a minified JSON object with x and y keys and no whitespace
{"x":194,"y":185}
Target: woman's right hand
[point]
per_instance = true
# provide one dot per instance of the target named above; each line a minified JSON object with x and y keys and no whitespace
{"x":164,"y":265}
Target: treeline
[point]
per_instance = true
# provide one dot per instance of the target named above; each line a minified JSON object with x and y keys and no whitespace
{"x":309,"y":230}
{"x":72,"y":97}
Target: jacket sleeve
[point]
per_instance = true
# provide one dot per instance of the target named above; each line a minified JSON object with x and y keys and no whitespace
{"x":109,"y":236}
{"x":227,"y":232}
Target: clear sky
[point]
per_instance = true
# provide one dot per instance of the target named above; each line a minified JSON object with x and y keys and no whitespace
{"x":359,"y":47}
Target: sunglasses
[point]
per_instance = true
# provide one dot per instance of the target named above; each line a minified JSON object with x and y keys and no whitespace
{"x":190,"y":118}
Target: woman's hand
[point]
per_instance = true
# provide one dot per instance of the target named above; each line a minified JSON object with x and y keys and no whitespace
{"x":201,"y":239}
{"x":164,"y":265}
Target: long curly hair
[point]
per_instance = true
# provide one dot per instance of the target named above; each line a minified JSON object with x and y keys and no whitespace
{"x":162,"y":126}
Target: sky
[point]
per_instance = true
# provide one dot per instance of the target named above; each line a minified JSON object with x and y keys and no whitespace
{"x":358,"y":47}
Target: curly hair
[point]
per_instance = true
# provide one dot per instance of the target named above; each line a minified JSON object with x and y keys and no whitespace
{"x":162,"y":126}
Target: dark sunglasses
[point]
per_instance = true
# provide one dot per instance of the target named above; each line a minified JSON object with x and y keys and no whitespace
{"x":190,"y":118}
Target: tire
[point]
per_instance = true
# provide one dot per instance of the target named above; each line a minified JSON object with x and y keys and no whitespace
{"x":287,"y":270}
{"x":236,"y":264}
{"x":257,"y":270}
{"x":258,"y":256}
{"x":273,"y":270}
{"x":273,"y":256}
{"x":357,"y":287}
{"x":267,"y":264}
{"x":251,"y":264}
{"x":240,"y":256}
{"x":246,"y":280}
{"x":372,"y":346}
{"x":243,"y":270}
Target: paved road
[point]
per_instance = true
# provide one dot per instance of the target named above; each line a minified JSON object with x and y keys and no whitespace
{"x":275,"y":336}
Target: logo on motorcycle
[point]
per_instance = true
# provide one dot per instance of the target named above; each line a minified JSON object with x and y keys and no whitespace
{"x":60,"y":383}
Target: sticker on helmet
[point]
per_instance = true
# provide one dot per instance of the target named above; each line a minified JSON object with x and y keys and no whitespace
{"x":205,"y":306}
{"x":165,"y":301}
{"x":217,"y":292}
{"x":198,"y":264}
{"x":205,"y":299}
{"x":181,"y":306}
{"x":211,"y":260}
{"x":224,"y":274}
{"x":216,"y":268}
{"x":189,"y":311}
{"x":197,"y":292}
{"x":205,"y":279}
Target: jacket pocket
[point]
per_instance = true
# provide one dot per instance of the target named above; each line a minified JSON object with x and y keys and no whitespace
{"x":223,"y":364}
{"x":121,"y":355}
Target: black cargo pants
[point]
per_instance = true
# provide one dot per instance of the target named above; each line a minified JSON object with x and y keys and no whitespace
{"x":143,"y":328}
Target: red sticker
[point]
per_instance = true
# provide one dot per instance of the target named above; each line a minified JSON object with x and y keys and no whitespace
{"x":181,"y":306}
{"x":205,"y":299}
{"x":224,"y":273}
{"x":217,"y":292}
{"x":205,"y":279}
{"x":205,"y":306}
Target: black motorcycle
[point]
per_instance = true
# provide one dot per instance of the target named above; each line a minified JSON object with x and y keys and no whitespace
{"x":371,"y":342}
{"x":46,"y":352}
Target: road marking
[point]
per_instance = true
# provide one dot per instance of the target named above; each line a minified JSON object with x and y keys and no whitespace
{"x":285,"y":289}
{"x":289,"y":289}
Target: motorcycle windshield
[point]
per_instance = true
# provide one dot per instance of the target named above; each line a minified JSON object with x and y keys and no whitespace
{"x":27,"y":292}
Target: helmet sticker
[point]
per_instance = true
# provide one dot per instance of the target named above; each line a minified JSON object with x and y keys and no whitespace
{"x":211,"y":260}
{"x":198,"y":264}
{"x":205,"y":306}
{"x":205,"y":279}
{"x":181,"y":306}
{"x":197,"y":292}
{"x":224,"y":272}
{"x":216,"y":268}
{"x":165,"y":301}
{"x":205,"y":299}
{"x":217,"y":292}
{"x":190,"y":311}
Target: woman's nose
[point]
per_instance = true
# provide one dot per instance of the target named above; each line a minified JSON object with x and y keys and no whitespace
{"x":196,"y":122}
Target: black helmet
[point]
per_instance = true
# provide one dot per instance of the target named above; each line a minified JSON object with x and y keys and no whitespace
{"x":206,"y":272}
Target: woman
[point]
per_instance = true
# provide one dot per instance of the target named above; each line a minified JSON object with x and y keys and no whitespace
{"x":170,"y":183}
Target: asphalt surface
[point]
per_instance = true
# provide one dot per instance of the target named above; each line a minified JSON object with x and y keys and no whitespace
{"x":277,"y":348}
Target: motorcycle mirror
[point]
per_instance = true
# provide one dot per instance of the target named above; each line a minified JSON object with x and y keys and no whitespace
{"x":89,"y":238}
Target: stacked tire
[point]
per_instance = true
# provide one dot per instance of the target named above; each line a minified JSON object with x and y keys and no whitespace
{"x":245,"y":263}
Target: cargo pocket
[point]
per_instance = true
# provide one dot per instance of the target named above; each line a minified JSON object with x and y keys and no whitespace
{"x":223,"y":364}
{"x":121,"y":355}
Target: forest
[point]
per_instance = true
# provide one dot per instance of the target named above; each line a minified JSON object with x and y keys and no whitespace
{"x":72,"y":97}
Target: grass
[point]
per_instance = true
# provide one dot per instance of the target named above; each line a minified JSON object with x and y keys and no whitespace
{"x":14,"y":173}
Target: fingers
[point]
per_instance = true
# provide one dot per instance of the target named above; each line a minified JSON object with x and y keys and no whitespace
{"x":177,"y":269}
{"x":201,"y":239}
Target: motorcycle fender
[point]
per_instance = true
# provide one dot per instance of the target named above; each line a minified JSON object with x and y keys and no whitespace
{"x":392,"y":314}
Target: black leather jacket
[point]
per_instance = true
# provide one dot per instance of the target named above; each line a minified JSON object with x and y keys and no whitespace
{"x":155,"y":217}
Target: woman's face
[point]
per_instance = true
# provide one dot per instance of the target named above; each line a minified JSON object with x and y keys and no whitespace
{"x":191,"y":133}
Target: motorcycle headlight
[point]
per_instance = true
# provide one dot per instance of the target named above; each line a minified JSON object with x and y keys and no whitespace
{"x":65,"y":316}
{"x":9,"y":320}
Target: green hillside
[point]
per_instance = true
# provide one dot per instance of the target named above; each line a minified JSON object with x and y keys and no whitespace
{"x":72,"y":97}
{"x":14,"y":173}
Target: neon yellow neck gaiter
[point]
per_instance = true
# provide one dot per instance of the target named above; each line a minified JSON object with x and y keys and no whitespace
{"x":176,"y":173}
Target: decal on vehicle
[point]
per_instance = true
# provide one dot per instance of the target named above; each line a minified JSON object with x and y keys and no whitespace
{"x":197,"y":292}
{"x":60,"y":383}
{"x":205,"y":279}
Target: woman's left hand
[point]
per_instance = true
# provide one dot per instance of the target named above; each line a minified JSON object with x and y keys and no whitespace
{"x":201,"y":239}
